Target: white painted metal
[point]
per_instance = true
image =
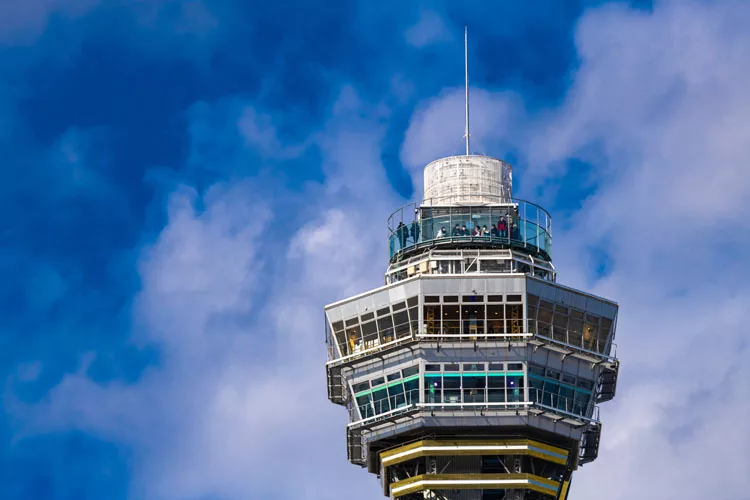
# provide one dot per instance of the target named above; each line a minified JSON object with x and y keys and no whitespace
{"x":460,"y":180}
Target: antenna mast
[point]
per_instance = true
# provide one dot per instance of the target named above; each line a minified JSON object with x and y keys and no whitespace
{"x":466,"y":69}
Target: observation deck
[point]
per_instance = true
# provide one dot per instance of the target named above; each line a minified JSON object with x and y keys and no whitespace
{"x":457,"y":222}
{"x":472,"y":374}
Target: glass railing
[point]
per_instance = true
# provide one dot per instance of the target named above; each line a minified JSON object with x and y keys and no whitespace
{"x":508,"y":223}
{"x":555,"y":401}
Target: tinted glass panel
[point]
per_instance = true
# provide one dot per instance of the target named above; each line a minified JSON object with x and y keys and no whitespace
{"x":361,"y":387}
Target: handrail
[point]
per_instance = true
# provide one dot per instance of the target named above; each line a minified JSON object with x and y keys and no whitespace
{"x":486,"y":405}
{"x":444,"y":201}
{"x":428,"y":223}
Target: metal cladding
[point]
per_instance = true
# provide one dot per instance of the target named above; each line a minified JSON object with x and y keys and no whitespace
{"x":468,"y":179}
{"x":471,"y":374}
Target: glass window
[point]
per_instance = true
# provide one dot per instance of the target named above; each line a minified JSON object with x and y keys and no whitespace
{"x":362,"y":386}
{"x":364,"y":403}
{"x":384,"y":311}
{"x":370,"y":334}
{"x":414,"y":318}
{"x":496,"y":388}
{"x":565,"y":400}
{"x":514,"y":386}
{"x":430,"y":299}
{"x":451,"y":319}
{"x":368,"y":317}
{"x":385,"y":326}
{"x":472,"y":298}
{"x":515,"y":298}
{"x":378,"y":381}
{"x":450,"y":298}
{"x":473,"y":387}
{"x":352,"y":322}
{"x":585,"y":384}
{"x":401,"y":324}
{"x":394,"y":376}
{"x":411,"y":388}
{"x":474,"y":367}
{"x":498,"y":367}
{"x":495,"y":298}
{"x":432,"y":368}
{"x":515,"y":366}
{"x":536,"y":370}
{"x":580,"y":402}
{"x":433,"y":388}
{"x":473,"y":319}
{"x":496,"y":318}
{"x":432,"y":319}
{"x":399,"y":305}
{"x":396,"y":395}
{"x":412,"y":370}
{"x":536,"y":388}
{"x":553,"y":374}
{"x":380,"y":400}
{"x":569,"y":379}
{"x":452,"y":389}
{"x":354,"y":339}
{"x":412,"y":301}
{"x":451,"y":367}
{"x":514,"y":313}
{"x":551,"y":390}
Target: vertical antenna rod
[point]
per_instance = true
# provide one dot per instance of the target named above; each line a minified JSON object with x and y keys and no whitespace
{"x":466,"y":68}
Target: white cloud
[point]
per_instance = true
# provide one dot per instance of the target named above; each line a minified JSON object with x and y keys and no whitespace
{"x":437,"y":126}
{"x":23,"y":22}
{"x":239,"y":399}
{"x":429,"y":29}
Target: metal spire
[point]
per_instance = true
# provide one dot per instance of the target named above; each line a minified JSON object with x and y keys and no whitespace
{"x":466,"y":68}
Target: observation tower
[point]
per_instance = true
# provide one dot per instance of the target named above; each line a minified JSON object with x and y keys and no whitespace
{"x":472,"y":374}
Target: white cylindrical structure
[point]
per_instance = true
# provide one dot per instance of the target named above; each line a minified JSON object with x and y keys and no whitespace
{"x":458,"y":180}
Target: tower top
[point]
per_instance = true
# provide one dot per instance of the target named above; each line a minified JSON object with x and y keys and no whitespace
{"x":472,"y":179}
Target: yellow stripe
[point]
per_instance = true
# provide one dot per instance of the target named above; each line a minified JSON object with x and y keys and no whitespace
{"x":564,"y":491}
{"x":473,"y":482}
{"x":473,"y":448}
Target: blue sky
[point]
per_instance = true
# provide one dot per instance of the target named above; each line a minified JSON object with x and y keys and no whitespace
{"x":185,"y":184}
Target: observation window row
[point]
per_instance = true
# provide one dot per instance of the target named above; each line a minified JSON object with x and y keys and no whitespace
{"x":559,"y":390}
{"x":569,"y":325}
{"x":472,"y":367}
{"x":385,"y":393}
{"x":436,"y":299}
{"x":473,"y":319}
{"x":474,"y":387}
{"x":371,"y":329}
